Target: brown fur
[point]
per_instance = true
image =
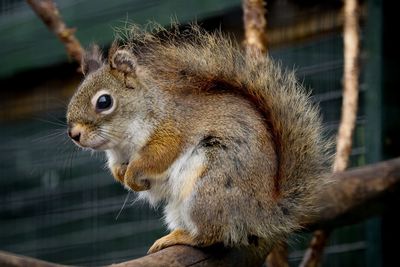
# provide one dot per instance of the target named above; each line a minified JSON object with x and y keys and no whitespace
{"x":229,"y":141}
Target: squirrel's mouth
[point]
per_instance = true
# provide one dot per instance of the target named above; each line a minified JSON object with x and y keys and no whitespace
{"x":97,"y":145}
{"x":83,"y":136}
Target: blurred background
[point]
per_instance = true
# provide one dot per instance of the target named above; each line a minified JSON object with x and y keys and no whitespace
{"x":60,"y":204}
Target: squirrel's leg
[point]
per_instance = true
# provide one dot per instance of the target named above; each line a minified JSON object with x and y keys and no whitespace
{"x":155,"y":158}
{"x":176,"y":237}
{"x":133,"y":178}
{"x":121,"y":171}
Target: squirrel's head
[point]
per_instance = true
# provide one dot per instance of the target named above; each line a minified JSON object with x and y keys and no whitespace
{"x":108,"y":100}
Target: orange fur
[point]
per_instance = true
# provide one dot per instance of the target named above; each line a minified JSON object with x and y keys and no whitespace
{"x":176,"y":237}
{"x":118,"y":171}
{"x":190,"y":182}
{"x":159,"y":153}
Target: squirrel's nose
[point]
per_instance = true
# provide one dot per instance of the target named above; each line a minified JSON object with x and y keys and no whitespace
{"x":74,"y":133}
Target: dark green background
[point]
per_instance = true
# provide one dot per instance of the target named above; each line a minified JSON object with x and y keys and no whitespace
{"x":60,"y":204}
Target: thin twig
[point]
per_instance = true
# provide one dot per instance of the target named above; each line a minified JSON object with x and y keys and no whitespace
{"x":278,"y":257}
{"x":48,"y":12}
{"x":255,"y":25}
{"x":350,"y":85}
{"x":313,"y":255}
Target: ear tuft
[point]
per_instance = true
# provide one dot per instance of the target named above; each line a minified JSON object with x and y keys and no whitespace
{"x":92,"y":59}
{"x":123,"y":60}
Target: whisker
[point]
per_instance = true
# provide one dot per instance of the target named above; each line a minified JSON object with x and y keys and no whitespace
{"x":56,"y":134}
{"x":68,"y":163}
{"x":57,"y":123}
{"x":123,"y":205}
{"x":61,"y":120}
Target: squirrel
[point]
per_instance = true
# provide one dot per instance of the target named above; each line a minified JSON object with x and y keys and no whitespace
{"x":228,"y":141}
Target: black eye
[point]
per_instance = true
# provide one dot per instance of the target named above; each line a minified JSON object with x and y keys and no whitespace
{"x":104,"y":102}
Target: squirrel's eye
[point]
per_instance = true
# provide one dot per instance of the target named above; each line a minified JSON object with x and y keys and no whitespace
{"x":104,"y":102}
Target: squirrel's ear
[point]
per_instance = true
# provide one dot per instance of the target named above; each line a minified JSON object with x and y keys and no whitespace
{"x":124,"y":63}
{"x":92,"y":59}
{"x":122,"y":60}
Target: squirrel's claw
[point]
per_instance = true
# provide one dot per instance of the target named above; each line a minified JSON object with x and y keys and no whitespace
{"x":143,"y":186}
{"x":123,"y":175}
{"x":118,"y":171}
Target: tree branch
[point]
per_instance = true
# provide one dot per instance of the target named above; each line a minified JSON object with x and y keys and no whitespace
{"x":341,"y":203}
{"x":350,"y":85}
{"x":48,"y":12}
{"x":12,"y":260}
{"x":345,"y":200}
{"x":278,"y":257}
{"x":176,"y":256}
{"x":255,"y":25}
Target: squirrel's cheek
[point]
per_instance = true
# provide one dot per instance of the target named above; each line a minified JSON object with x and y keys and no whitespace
{"x":94,"y":141}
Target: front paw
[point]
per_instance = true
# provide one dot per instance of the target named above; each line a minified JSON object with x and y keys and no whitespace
{"x":159,"y":245}
{"x":118,"y":171}
{"x":136,"y":182}
{"x":176,"y":237}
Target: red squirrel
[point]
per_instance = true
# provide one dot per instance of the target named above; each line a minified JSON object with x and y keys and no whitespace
{"x":227,"y":140}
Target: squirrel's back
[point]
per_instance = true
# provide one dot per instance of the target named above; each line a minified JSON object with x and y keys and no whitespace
{"x":193,"y":60}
